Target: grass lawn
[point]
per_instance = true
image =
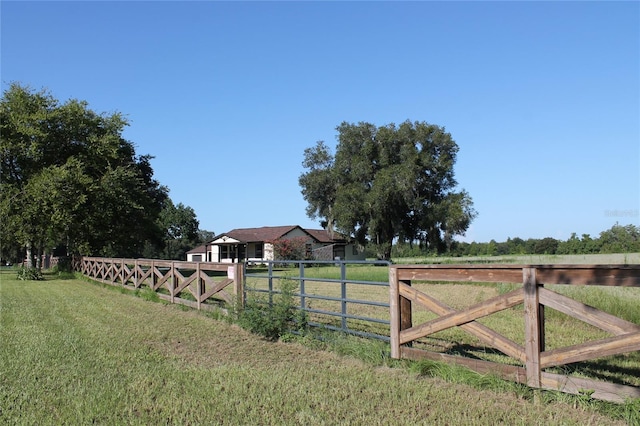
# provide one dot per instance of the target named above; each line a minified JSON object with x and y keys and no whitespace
{"x":72,"y":352}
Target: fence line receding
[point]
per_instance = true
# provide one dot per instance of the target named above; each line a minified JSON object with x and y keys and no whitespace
{"x":197,"y":284}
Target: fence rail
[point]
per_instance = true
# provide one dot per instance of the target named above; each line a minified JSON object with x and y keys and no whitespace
{"x":194,"y":284}
{"x":532,"y":357}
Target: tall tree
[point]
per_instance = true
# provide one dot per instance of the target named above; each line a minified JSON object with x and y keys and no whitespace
{"x":620,"y":239}
{"x":180,"y":227}
{"x":69,"y":177}
{"x":388,"y":182}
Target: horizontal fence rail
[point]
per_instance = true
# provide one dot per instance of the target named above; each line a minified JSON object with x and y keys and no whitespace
{"x":330,"y":293}
{"x":529,"y":360}
{"x":201,"y":285}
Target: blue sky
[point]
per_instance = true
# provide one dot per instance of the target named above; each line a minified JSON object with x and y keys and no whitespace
{"x":543,"y":98}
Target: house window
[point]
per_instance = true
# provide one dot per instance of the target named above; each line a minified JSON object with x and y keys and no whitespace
{"x":308,"y":251}
{"x":197,"y":258}
{"x":259,"y":248}
{"x":224,"y":252}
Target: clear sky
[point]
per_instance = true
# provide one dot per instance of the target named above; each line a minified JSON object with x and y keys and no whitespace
{"x":543,"y":98}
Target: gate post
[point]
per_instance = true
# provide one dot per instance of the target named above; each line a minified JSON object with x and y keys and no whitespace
{"x":198,"y":286}
{"x":395,"y":312}
{"x":533,"y":327}
{"x":238,"y":284}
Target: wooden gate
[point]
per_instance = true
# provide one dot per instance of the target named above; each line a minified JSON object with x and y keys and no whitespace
{"x":531,"y":358}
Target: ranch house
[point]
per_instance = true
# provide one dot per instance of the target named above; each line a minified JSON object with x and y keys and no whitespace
{"x":254,"y":244}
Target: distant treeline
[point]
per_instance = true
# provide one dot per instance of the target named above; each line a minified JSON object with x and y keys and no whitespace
{"x":618,"y":239}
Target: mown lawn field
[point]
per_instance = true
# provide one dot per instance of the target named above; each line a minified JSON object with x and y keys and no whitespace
{"x":73,"y":352}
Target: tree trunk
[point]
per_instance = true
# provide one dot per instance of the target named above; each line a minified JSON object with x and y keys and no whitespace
{"x":30,"y":259}
{"x":39,"y":255}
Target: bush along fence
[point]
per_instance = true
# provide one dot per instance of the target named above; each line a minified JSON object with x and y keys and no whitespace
{"x":532,"y":358}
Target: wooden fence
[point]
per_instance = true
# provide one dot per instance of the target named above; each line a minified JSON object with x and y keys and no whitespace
{"x":532,"y":358}
{"x":172,"y":280}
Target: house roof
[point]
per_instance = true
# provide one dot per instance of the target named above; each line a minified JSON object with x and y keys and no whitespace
{"x":323,"y":236}
{"x":270,"y":233}
{"x":199,"y":249}
{"x":265,"y":233}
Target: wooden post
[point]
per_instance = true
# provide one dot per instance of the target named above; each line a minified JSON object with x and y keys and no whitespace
{"x":173,"y":279}
{"x":406,"y":319}
{"x":532,"y":327}
{"x":394,"y":311}
{"x":198,"y":285}
{"x":153,"y":278}
{"x":238,"y":285}
{"x":541,"y":316}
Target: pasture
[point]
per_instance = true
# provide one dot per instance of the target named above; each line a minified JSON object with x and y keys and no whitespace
{"x":75,"y":353}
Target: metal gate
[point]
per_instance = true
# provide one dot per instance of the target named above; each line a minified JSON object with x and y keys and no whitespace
{"x":333,"y":294}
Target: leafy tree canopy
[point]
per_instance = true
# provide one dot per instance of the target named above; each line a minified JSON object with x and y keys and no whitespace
{"x":388,"y":182}
{"x":179,"y":226}
{"x":68,"y":177}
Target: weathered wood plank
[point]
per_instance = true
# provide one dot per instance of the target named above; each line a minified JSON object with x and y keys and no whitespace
{"x":469,"y":314}
{"x":591,"y":350}
{"x":163,"y":278}
{"x":406,"y":319}
{"x":605,"y":391}
{"x":216,"y":288}
{"x":142,"y":275}
{"x":183,"y":281}
{"x":482,"y":332}
{"x":238,"y":285}
{"x":586,"y":313}
{"x":610,"y":275}
{"x":206,"y":279}
{"x":532,"y":327}
{"x":456,"y":273}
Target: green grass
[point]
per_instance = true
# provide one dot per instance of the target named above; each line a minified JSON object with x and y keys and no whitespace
{"x":78,"y":353}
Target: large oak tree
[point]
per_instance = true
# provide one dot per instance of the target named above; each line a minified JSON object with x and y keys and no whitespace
{"x":388,"y":182}
{"x":69,"y":178}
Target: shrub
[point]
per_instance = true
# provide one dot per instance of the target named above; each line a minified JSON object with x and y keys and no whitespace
{"x":273,"y":319}
{"x":290,"y":248}
{"x":30,"y":274}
